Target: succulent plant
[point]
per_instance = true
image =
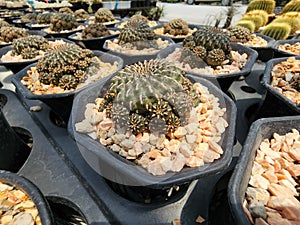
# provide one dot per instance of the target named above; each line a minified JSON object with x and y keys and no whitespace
{"x":3,"y":23}
{"x":176,"y":27}
{"x":294,"y":22}
{"x":63,"y":21}
{"x":8,"y":34}
{"x":30,"y":46}
{"x":65,"y":65}
{"x":247,"y":24}
{"x":95,"y":30}
{"x":292,"y":6}
{"x":266,"y":5}
{"x":16,"y":13}
{"x":44,"y":18}
{"x":81,"y":14}
{"x":239,"y":34}
{"x":65,"y":10}
{"x":139,"y":17}
{"x":138,"y":32}
{"x":278,"y":31}
{"x":28,"y":17}
{"x":262,"y":13}
{"x":103,"y":15}
{"x":215,"y":42}
{"x":150,"y":96}
{"x":256,"y":19}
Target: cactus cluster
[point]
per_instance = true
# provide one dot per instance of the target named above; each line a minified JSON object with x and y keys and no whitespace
{"x":292,"y":6}
{"x":278,"y":31}
{"x":65,"y":10}
{"x":44,"y":18}
{"x":176,"y":27}
{"x":81,"y":14}
{"x":28,"y":17}
{"x":266,"y":5}
{"x":291,"y":18}
{"x":8,"y":34}
{"x":65,"y":65}
{"x":258,"y":17}
{"x":29,"y":47}
{"x":103,"y":15}
{"x":3,"y":23}
{"x":239,"y":34}
{"x":211,"y":44}
{"x":95,"y":30}
{"x":63,"y":21}
{"x":150,"y":96}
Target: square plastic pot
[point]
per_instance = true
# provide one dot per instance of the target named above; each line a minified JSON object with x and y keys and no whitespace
{"x":265,"y":53}
{"x":133,"y":58}
{"x":279,"y":53}
{"x":223,"y":81}
{"x":259,"y":130}
{"x":62,"y":103}
{"x":273,"y":99}
{"x":112,"y":166}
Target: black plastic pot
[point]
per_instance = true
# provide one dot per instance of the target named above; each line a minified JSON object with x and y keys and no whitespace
{"x":61,"y":104}
{"x":119,"y":170}
{"x":131,"y":58}
{"x":274,"y":103}
{"x":259,"y":130}
{"x":91,"y":43}
{"x":14,"y":151}
{"x":32,"y":26}
{"x":107,"y":24}
{"x":222,"y":80}
{"x":60,"y":34}
{"x":265,"y":53}
{"x":32,"y":191}
{"x":279,"y":53}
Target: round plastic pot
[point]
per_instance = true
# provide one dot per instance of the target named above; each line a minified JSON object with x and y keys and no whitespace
{"x":60,"y":34}
{"x":107,"y":24}
{"x":32,"y":27}
{"x":120,"y":170}
{"x":279,"y":53}
{"x":117,"y":26}
{"x":133,"y":58}
{"x":223,"y":81}
{"x":14,"y":151}
{"x":273,"y":99}
{"x":33,"y":193}
{"x":265,"y":53}
{"x":91,"y":43}
{"x":259,"y":130}
{"x":62,"y":103}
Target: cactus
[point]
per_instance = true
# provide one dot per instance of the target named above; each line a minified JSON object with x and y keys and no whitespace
{"x":257,"y":19}
{"x":149,"y":95}
{"x":247,"y":24}
{"x":8,"y":34}
{"x":95,"y":30}
{"x":81,"y":14}
{"x":104,"y":15}
{"x":65,"y":10}
{"x":278,"y":31}
{"x":63,"y":21}
{"x":214,"y":41}
{"x":65,"y":65}
{"x":4,"y":24}
{"x":44,"y":18}
{"x":292,"y":6}
{"x":29,"y":17}
{"x":293,"y":22}
{"x":263,"y":14}
{"x":176,"y":27}
{"x":139,"y":17}
{"x":239,"y":34}
{"x":266,"y":5}
{"x":29,"y":47}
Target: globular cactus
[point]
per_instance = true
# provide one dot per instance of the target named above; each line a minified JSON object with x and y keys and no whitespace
{"x":65,"y":10}
{"x":239,"y":34}
{"x":65,"y":65}
{"x":28,"y":17}
{"x":3,"y":23}
{"x":29,"y":47}
{"x":63,"y":21}
{"x":176,"y":27}
{"x":278,"y":31}
{"x":44,"y":18}
{"x":139,"y":17}
{"x":103,"y":15}
{"x":211,"y":44}
{"x":81,"y":14}
{"x":266,"y":5}
{"x":95,"y":30}
{"x":150,"y":96}
{"x":256,"y":19}
{"x":8,"y":34}
{"x":293,"y":22}
{"x":247,"y":24}
{"x":263,"y":14}
{"x":292,"y":6}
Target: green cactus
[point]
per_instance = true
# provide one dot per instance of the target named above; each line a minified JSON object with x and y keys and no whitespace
{"x":149,"y":95}
{"x":8,"y":34}
{"x":65,"y":10}
{"x":266,"y":5}
{"x":95,"y":30}
{"x":28,"y":17}
{"x":263,"y":14}
{"x":139,"y":17}
{"x":278,"y":31}
{"x":44,"y":18}
{"x":176,"y":27}
{"x":63,"y":21}
{"x":81,"y":14}
{"x":103,"y":15}
{"x":256,"y":19}
{"x":214,"y":40}
{"x":292,"y":6}
{"x":247,"y":24}
{"x":239,"y":34}
{"x":65,"y":65}
{"x":293,"y":22}
{"x":30,"y":46}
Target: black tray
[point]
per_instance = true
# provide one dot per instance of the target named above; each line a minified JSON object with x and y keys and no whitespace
{"x":279,"y":53}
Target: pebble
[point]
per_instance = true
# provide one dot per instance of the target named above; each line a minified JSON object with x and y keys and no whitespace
{"x":35,"y":108}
